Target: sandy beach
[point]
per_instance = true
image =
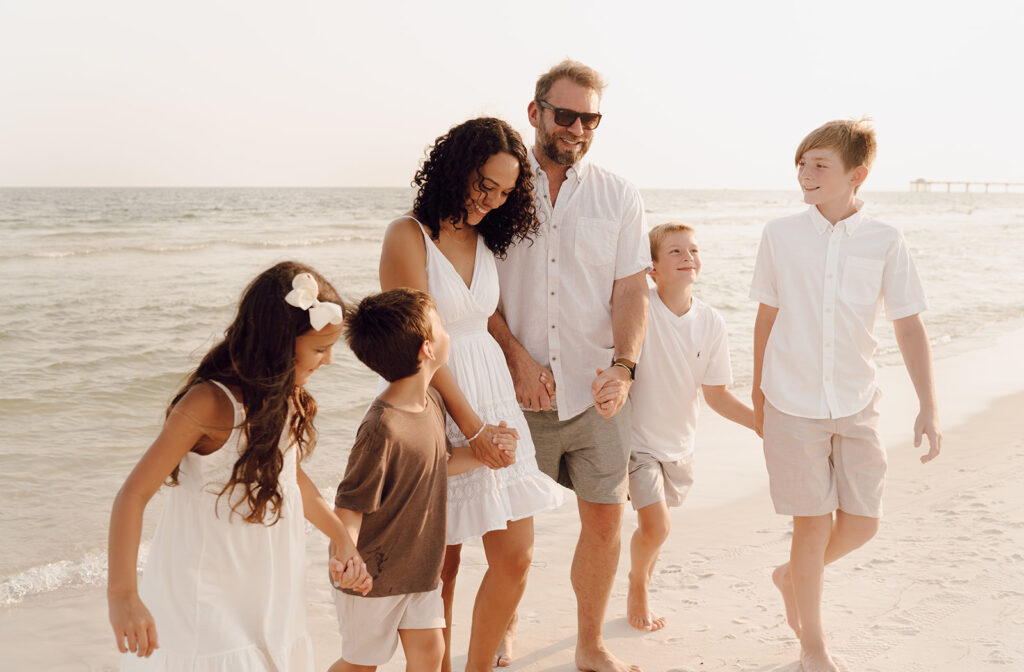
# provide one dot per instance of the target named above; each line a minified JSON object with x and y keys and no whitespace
{"x":940,"y":588}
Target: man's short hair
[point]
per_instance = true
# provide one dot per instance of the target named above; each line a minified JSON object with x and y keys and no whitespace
{"x":853,"y":140}
{"x":386,"y":331}
{"x":658,"y":234}
{"x":574,"y":71}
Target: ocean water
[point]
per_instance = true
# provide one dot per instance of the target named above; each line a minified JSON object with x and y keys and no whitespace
{"x":109,"y":296}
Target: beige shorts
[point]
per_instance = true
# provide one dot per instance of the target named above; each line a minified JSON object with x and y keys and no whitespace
{"x":587,"y":453}
{"x":816,"y":466}
{"x":652,"y":481}
{"x":369,"y":625}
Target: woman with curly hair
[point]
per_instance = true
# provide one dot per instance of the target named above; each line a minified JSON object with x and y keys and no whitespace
{"x":474,"y":202}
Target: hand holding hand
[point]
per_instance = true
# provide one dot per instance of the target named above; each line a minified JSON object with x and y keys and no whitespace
{"x":610,"y":390}
{"x":757,"y":397}
{"x":495,"y":445}
{"x":535,"y":384}
{"x":350,"y":573}
{"x":134,"y":628}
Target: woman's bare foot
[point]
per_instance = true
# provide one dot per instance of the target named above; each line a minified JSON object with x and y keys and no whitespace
{"x":503,"y":657}
{"x":784,"y":582}
{"x":601,"y":660}
{"x":638,"y":609}
{"x":817,"y":660}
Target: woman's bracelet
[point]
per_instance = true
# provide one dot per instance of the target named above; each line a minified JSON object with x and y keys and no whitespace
{"x":478,"y":433}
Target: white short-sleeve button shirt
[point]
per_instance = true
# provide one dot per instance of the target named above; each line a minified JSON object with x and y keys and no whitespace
{"x":829,"y":284}
{"x":556,"y":291}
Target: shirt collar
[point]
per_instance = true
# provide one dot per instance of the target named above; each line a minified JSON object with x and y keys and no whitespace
{"x":849,"y":225}
{"x":577,"y":171}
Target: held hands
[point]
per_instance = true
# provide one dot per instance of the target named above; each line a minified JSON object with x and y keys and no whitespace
{"x":134,"y":628}
{"x":610,"y":390}
{"x":535,"y":384}
{"x":495,"y":445}
{"x":350,"y":573}
{"x":757,"y":397}
{"x":927,"y":423}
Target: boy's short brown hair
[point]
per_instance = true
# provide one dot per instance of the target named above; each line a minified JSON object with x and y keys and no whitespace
{"x":853,"y":140}
{"x":576,"y":72}
{"x":386,"y":330}
{"x":659,"y":233}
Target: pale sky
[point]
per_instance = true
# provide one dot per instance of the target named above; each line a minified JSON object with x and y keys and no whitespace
{"x":341,"y":93}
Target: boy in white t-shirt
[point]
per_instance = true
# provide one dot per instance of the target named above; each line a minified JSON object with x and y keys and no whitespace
{"x":685,"y":349}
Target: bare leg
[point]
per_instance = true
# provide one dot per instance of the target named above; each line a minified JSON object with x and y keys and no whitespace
{"x":508,"y":552}
{"x":449,"y":570}
{"x":503,"y":656}
{"x":341,"y":665}
{"x":849,"y":532}
{"x":593,"y":570}
{"x":423,"y":649}
{"x":651,"y":533}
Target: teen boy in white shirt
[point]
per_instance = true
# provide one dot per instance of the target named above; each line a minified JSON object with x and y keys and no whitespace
{"x":686,"y":348}
{"x":822,"y":277}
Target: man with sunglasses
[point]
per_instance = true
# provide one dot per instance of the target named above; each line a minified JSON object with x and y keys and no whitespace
{"x":574,"y":302}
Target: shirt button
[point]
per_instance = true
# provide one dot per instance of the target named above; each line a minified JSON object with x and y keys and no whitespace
{"x":552,"y":326}
{"x":554,"y":358}
{"x":552,"y":261}
{"x":552,"y":293}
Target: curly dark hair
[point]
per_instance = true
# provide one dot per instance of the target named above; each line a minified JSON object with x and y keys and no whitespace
{"x":258,"y":356}
{"x":457,"y":157}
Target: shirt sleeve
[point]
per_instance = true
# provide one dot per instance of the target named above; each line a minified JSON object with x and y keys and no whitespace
{"x":763,"y":287}
{"x":363,"y":484}
{"x":633,"y":252}
{"x":901,"y":287}
{"x":719,"y":371}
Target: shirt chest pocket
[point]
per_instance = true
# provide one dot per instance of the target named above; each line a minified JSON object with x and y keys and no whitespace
{"x":596,"y":241}
{"x":862,"y":280}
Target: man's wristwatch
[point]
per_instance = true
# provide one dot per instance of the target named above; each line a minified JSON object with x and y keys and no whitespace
{"x":627,"y":365}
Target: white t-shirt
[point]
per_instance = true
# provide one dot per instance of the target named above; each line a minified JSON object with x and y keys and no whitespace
{"x":829,"y":284}
{"x":681,"y":353}
{"x":556,"y":292}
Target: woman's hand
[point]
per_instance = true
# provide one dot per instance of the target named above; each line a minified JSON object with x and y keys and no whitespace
{"x":495,"y":446}
{"x":134,"y":628}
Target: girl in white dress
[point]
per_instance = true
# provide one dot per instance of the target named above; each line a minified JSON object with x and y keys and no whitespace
{"x":474,"y":201}
{"x":223,"y":586}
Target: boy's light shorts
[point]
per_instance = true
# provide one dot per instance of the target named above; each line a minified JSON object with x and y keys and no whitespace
{"x":816,"y":466}
{"x":652,"y":481}
{"x":369,"y":625}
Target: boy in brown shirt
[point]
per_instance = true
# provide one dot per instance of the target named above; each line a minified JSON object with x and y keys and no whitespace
{"x":392,"y":498}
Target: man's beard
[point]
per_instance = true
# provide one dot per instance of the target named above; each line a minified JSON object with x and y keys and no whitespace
{"x":563,"y":157}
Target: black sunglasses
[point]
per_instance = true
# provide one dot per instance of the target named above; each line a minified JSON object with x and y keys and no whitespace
{"x":567,"y":117}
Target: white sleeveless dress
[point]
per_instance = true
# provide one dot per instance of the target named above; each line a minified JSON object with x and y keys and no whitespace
{"x":226,"y":595}
{"x":484,"y":499}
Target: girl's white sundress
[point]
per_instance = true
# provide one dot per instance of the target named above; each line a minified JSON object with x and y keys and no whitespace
{"x":226,"y":595}
{"x":484,"y":499}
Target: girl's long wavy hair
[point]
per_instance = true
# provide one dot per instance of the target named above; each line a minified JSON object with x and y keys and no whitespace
{"x":455,"y":159}
{"x":257,"y":356}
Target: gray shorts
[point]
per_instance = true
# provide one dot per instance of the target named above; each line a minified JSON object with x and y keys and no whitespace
{"x":588,"y":454}
{"x":652,"y":481}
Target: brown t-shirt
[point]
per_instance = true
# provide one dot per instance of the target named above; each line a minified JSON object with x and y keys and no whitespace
{"x":397,"y":478}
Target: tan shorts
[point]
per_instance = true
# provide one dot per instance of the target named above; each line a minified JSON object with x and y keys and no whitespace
{"x":587,"y":453}
{"x":369,"y":625}
{"x":652,"y":481}
{"x":816,"y":466}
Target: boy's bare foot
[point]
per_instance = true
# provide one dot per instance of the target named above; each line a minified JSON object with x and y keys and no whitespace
{"x":817,"y":660}
{"x":503,"y":657}
{"x":638,"y":609}
{"x":784,"y":582}
{"x":601,"y":660}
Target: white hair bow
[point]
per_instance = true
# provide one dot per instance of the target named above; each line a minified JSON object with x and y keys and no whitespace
{"x":303,"y":295}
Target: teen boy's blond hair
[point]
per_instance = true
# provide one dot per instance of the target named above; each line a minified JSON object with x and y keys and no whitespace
{"x":853,"y":140}
{"x":659,"y":233}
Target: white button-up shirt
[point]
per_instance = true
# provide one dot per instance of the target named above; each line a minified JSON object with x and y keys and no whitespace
{"x":829,"y":284}
{"x":556,"y":292}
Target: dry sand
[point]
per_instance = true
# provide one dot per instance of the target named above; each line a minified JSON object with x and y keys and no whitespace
{"x":940,"y":588}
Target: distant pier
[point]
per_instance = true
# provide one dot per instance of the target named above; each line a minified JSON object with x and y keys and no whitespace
{"x":921,"y":184}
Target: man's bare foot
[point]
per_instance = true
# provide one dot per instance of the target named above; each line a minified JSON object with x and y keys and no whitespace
{"x":784,"y":582}
{"x":638,"y":609}
{"x":503,"y":657}
{"x":817,"y":660}
{"x":601,"y":660}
